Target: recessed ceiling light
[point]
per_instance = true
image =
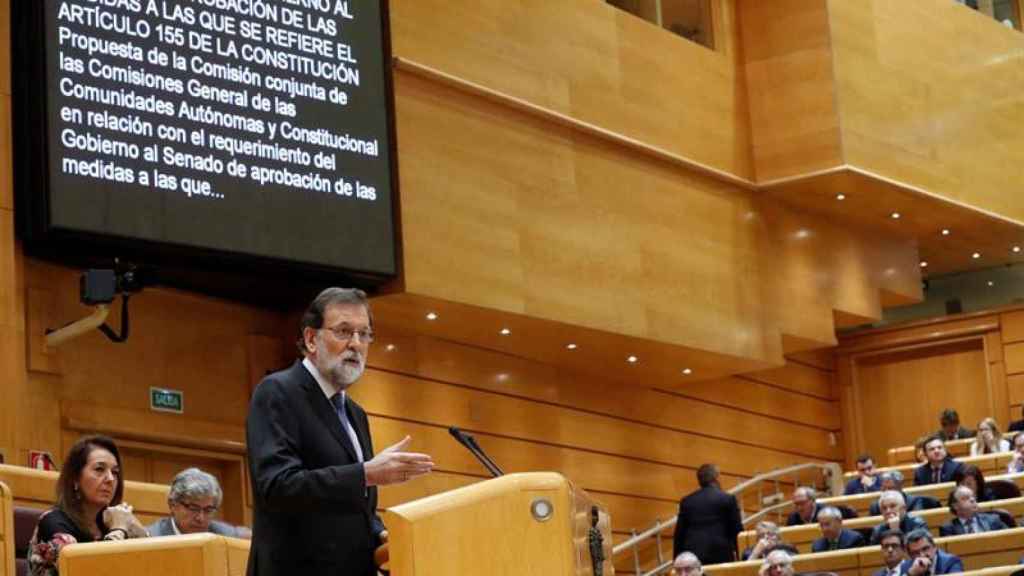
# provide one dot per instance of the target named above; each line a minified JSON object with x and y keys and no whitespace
{"x":505,"y":331}
{"x":976,"y":255}
{"x":687,"y":371}
{"x":1016,"y":248}
{"x":991,"y":283}
{"x":632,"y":359}
{"x":924,"y":264}
{"x":840,"y":197}
{"x":570,"y":346}
{"x":390,"y":347}
{"x":431,"y":316}
{"x":945,"y":231}
{"x":895,"y":215}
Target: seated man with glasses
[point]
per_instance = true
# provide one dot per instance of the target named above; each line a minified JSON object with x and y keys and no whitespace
{"x":925,"y":559}
{"x":777,"y":563}
{"x":894,"y":552}
{"x":687,"y":564}
{"x":194,"y":500}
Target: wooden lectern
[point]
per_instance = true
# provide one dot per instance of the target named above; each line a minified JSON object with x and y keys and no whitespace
{"x":517,"y":524}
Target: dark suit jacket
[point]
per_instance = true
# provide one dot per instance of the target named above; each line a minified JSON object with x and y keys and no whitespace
{"x":163,"y":527}
{"x":1016,"y":426}
{"x":312,"y":513}
{"x":855,"y":486}
{"x":987,"y":523}
{"x":923,"y":473}
{"x":847,"y":539}
{"x":707,"y":525}
{"x":794,"y":518}
{"x":944,"y":564}
{"x":961,"y":433}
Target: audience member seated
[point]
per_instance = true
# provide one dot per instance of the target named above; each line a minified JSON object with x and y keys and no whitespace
{"x":894,"y":552}
{"x":970,"y":475}
{"x":88,"y":508}
{"x":866,"y":480}
{"x":777,"y":563}
{"x":967,"y":519}
{"x":894,"y":514}
{"x":893,"y":480}
{"x":834,"y":536}
{"x":1016,"y":464}
{"x":924,"y":558}
{"x":194,"y":499}
{"x":939,"y":467}
{"x":805,"y":507}
{"x":768,"y":539}
{"x":1018,"y":425}
{"x":951,"y":429}
{"x":989,"y":439}
{"x":687,"y":564}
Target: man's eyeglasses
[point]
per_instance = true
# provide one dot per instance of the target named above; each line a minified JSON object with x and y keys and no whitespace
{"x":197,"y":510}
{"x":891,"y":546}
{"x":346,"y":333}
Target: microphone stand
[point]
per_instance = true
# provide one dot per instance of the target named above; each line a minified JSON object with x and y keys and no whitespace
{"x":469,"y":442}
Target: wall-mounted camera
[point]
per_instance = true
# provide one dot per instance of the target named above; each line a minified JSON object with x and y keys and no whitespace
{"x":98,"y":287}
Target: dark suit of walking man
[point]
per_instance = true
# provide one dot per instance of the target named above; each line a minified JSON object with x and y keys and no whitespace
{"x":311,"y":461}
{"x":708,"y":521}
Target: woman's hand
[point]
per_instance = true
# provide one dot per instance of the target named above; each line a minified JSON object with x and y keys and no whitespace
{"x":121,"y":517}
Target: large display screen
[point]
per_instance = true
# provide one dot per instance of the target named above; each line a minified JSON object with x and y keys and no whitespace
{"x":242,"y":127}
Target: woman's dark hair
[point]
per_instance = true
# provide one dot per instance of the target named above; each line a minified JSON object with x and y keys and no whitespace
{"x":972,"y":471}
{"x":69,"y":499}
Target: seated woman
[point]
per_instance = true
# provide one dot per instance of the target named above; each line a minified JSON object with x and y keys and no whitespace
{"x":989,"y":439}
{"x":969,"y":475}
{"x":89,"y":506}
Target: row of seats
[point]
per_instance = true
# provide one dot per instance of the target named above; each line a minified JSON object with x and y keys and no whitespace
{"x":978,"y":551}
{"x":862,"y":502}
{"x":988,"y":464}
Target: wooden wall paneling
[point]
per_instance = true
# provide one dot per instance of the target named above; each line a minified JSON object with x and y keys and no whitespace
{"x":999,"y":396}
{"x":766,"y":399}
{"x":6,"y":159}
{"x":919,"y":333}
{"x":1015,"y":389}
{"x":788,"y":66}
{"x":41,"y":304}
{"x":1012,"y":326}
{"x":1013,"y":356}
{"x":727,"y":417}
{"x":266,"y":354}
{"x":896,"y":64}
{"x":823,"y":358}
{"x":994,"y":346}
{"x":797,"y":378}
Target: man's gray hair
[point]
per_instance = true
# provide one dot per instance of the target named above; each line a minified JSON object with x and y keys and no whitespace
{"x":918,"y":535}
{"x":192,"y":484}
{"x":767,"y":526}
{"x":781,"y":555}
{"x":830,"y":512}
{"x":807,"y":491}
{"x":683,"y":556}
{"x":892,"y":495}
{"x":894,"y":475}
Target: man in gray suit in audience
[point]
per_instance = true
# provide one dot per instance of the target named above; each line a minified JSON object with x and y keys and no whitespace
{"x":966,"y":518}
{"x":194,"y":499}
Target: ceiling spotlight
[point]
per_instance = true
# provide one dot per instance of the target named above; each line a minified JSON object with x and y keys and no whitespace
{"x":632,"y":359}
{"x":687,"y":371}
{"x":976,"y":255}
{"x":895,"y":215}
{"x":431,"y":316}
{"x":570,"y":346}
{"x":505,"y":331}
{"x":1016,"y":248}
{"x":840,"y":197}
{"x":924,"y":264}
{"x":945,"y":231}
{"x":390,"y":347}
{"x":991,"y":283}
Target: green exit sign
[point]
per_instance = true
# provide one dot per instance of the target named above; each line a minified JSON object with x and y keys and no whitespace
{"x":163,"y":400}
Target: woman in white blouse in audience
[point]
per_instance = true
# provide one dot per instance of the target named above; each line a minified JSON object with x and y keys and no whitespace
{"x":989,"y":439}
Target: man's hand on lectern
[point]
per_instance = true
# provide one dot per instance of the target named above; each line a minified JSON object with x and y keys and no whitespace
{"x":393,"y":466}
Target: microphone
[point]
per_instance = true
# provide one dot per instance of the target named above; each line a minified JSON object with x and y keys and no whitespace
{"x":469,"y":442}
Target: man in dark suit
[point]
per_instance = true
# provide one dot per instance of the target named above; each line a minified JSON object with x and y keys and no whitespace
{"x":866,"y":480}
{"x":312,"y":467}
{"x":895,"y":517}
{"x":708,"y":521}
{"x":966,"y":518}
{"x":833,"y":535}
{"x":193,"y":500}
{"x":805,"y":507}
{"x":894,"y":552}
{"x":939,"y":467}
{"x":1017,"y":425}
{"x":925,"y":559}
{"x":950,"y":429}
